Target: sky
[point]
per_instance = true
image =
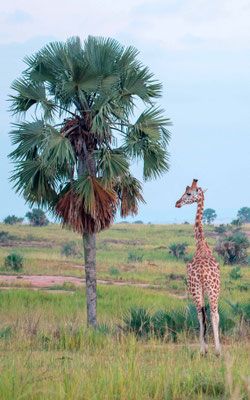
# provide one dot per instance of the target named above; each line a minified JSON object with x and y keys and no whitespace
{"x":198,"y":49}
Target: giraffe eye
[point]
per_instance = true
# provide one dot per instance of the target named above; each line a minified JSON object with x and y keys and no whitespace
{"x":189,"y":194}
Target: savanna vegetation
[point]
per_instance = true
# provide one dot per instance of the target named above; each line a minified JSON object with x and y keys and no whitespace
{"x":146,"y":342}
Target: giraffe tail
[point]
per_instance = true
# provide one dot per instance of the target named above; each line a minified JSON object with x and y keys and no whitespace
{"x":204,"y":321}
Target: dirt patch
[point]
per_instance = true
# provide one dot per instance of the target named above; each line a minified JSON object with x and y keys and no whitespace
{"x":40,"y":245}
{"x":45,"y":281}
{"x":126,"y":242}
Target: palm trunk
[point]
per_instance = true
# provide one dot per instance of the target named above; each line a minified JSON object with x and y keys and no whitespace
{"x":89,"y":244}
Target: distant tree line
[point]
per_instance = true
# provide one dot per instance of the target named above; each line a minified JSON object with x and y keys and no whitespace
{"x":37,"y":217}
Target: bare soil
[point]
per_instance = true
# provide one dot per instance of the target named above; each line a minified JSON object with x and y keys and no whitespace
{"x":46,"y":281}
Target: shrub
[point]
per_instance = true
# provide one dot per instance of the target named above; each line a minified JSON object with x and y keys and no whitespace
{"x":132,"y":257}
{"x":175,"y":277}
{"x":37,"y":217}
{"x":178,"y":250}
{"x":138,"y":222}
{"x":188,"y":257}
{"x":237,"y":222}
{"x":138,"y":321}
{"x":70,"y":249}
{"x":114,"y":271}
{"x":233,"y":249}
{"x":241,"y":309}
{"x":12,"y":219}
{"x":5,"y":332}
{"x":220,"y":229}
{"x":167,"y":324}
{"x":14,"y":261}
{"x":4,"y":237}
{"x":235,"y":273}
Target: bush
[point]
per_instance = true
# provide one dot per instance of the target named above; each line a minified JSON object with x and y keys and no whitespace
{"x":12,"y":219}
{"x":237,"y":222}
{"x":188,"y":257}
{"x":70,"y":249}
{"x":4,"y":237}
{"x":114,"y":271}
{"x":178,"y":250}
{"x":37,"y":217}
{"x":241,"y":309}
{"x":168,"y":324}
{"x":138,"y":321}
{"x":132,"y":257}
{"x":220,"y":229}
{"x":138,"y":222}
{"x":235,"y":273}
{"x":14,"y":261}
{"x":233,"y":249}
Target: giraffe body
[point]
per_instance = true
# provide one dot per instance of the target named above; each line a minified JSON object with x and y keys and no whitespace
{"x":203,"y":271}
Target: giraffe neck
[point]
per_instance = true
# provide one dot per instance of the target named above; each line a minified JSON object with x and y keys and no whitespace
{"x":198,"y":231}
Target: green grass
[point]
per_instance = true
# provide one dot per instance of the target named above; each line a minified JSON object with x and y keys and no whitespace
{"x":46,"y":352}
{"x":41,"y":249}
{"x":125,"y":370}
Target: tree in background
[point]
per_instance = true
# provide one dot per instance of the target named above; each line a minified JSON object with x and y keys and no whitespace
{"x":37,"y":217}
{"x":244,"y":214}
{"x":68,"y":158}
{"x":209,"y":216}
{"x":12,"y":219}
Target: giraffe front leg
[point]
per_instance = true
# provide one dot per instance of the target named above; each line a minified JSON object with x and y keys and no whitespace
{"x":203,"y":327}
{"x":215,"y":324}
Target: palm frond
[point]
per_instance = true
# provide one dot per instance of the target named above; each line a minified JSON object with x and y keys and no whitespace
{"x":28,"y":94}
{"x":129,"y":192}
{"x":29,"y":136}
{"x":156,"y":161}
{"x":127,"y":59}
{"x":102,"y":55}
{"x":111,"y":163}
{"x":35,"y":182}
{"x":147,"y":139}
{"x":139,"y":82}
{"x":59,"y":151}
{"x":87,"y":206}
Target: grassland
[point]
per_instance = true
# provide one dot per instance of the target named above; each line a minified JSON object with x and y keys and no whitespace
{"x":46,"y":352}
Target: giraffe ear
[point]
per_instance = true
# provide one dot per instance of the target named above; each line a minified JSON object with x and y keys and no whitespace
{"x":205,"y":190}
{"x":187,"y":188}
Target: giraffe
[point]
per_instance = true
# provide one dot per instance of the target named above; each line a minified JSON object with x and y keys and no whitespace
{"x":203,"y":271}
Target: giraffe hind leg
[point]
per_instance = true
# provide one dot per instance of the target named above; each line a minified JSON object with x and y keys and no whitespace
{"x":215,"y":319}
{"x":215,"y":324}
{"x":200,"y":307}
{"x":203,"y":327}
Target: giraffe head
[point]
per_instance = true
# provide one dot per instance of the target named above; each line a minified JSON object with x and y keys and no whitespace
{"x":191,"y":195}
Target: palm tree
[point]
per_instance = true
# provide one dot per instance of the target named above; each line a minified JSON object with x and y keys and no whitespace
{"x":74,"y":156}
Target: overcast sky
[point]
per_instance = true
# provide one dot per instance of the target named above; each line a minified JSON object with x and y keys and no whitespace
{"x":199,"y":49}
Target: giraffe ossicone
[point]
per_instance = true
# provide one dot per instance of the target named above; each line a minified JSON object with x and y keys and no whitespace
{"x":203,"y":271}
